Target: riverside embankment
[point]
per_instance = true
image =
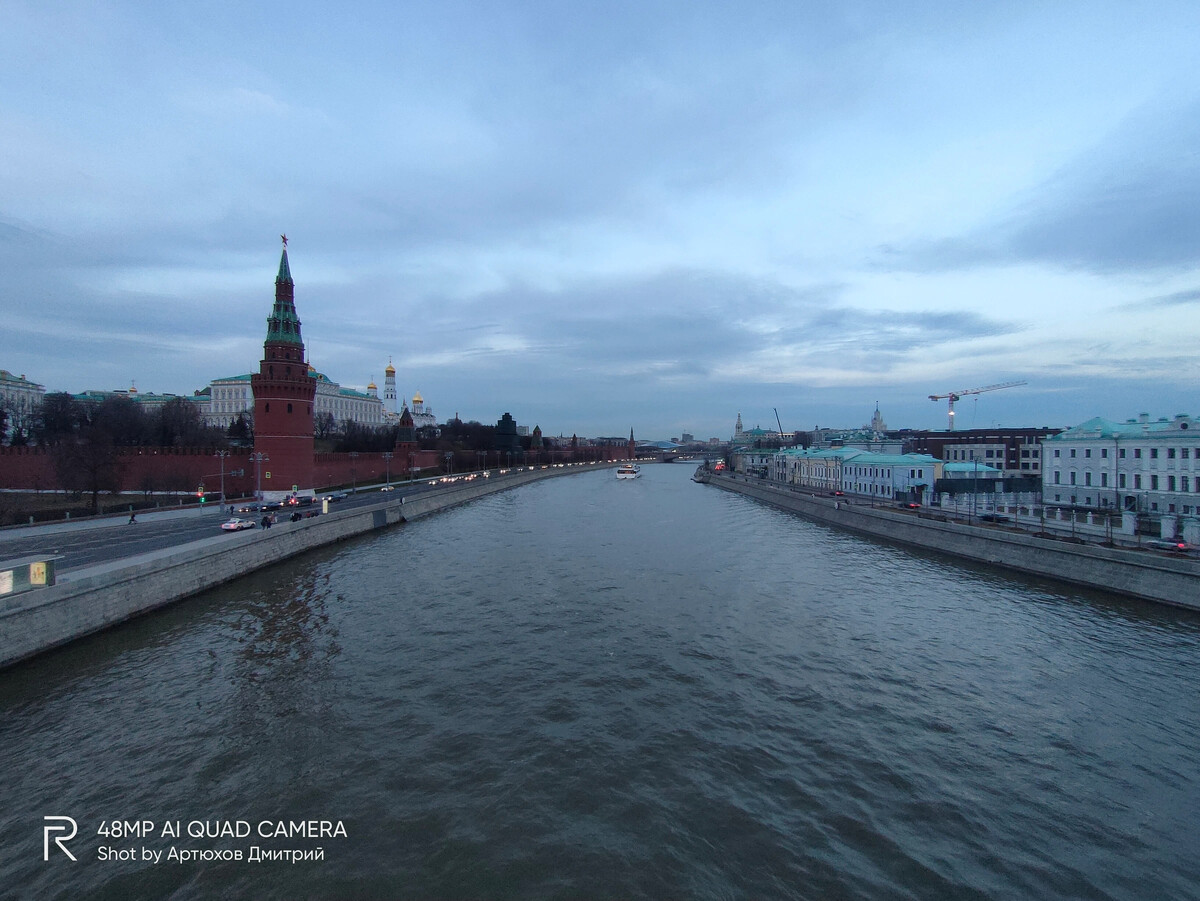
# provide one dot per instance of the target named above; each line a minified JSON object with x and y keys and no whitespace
{"x":97,"y":597}
{"x":1140,"y":574}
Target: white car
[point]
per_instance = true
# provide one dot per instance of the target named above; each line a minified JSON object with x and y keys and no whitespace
{"x":236,"y":525}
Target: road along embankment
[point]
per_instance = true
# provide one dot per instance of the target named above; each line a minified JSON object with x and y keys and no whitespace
{"x":94,"y":598}
{"x":1141,"y":574}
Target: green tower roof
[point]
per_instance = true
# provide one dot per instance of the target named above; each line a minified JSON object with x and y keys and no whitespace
{"x":283,"y":325}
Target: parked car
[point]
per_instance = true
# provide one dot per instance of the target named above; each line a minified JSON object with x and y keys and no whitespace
{"x":236,"y":525}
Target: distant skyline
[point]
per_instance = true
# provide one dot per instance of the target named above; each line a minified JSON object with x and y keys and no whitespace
{"x":598,"y":216}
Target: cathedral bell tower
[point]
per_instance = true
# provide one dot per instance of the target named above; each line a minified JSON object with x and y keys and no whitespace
{"x":283,"y":398}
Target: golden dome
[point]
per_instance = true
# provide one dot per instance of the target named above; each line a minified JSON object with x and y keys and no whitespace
{"x":391,"y":370}
{"x":372,"y":386}
{"x":417,"y":399}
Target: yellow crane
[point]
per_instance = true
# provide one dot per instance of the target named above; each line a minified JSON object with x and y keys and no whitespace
{"x":952,"y":396}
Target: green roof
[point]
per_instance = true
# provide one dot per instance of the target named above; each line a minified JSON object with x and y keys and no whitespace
{"x":285,"y":272}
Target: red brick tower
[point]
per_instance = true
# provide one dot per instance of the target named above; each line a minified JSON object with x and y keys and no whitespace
{"x":631,"y":451}
{"x":283,"y":398}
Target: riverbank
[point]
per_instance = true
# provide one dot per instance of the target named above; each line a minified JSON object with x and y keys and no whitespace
{"x":98,"y":597}
{"x":1139,"y":574}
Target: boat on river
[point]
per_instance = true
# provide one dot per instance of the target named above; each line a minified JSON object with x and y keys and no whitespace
{"x":629,"y":471}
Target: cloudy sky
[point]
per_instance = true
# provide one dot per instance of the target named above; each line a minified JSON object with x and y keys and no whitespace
{"x":605,"y":215}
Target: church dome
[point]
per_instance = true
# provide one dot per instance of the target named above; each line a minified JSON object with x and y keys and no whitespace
{"x":417,"y":399}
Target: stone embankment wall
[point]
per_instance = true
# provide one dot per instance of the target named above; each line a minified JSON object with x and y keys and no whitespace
{"x":1141,"y":574}
{"x":91,"y":599}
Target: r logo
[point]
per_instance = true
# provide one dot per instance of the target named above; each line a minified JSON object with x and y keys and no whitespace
{"x":59,"y":826}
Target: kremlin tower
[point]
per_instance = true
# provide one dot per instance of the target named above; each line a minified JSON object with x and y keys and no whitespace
{"x":283,"y":389}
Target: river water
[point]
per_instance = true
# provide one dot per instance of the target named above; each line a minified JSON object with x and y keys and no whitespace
{"x":592,"y":688}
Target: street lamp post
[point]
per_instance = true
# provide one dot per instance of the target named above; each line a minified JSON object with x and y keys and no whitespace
{"x":449,"y":458}
{"x":353,"y":455}
{"x":387,"y":462}
{"x":221,"y":455}
{"x":258,"y":460}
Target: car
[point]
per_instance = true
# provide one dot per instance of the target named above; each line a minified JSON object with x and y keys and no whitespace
{"x":993,"y":517}
{"x":336,"y":496}
{"x":275,"y":505}
{"x":236,"y":525}
{"x":1172,"y":545}
{"x":388,"y":488}
{"x":249,"y":508}
{"x":912,"y":506}
{"x":839,"y":494}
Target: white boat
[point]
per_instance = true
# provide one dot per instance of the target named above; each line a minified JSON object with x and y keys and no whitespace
{"x":629,"y":471}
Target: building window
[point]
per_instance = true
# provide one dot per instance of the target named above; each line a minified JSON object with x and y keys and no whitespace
{"x":1154,"y":453}
{"x":1170,"y":453}
{"x":1057,"y":452}
{"x":1072,"y":452}
{"x":1121,"y":453}
{"x":1170,"y":483}
{"x":1137,"y":453}
{"x":1087,"y":478}
{"x":1072,"y":478}
{"x":1104,"y":453}
{"x":1088,"y":452}
{"x":1137,"y":481}
{"x":1153,"y":483}
{"x":1121,"y":480}
{"x":1104,"y":480}
{"x":268,"y":408}
{"x":289,"y":408}
{"x":1057,"y":477}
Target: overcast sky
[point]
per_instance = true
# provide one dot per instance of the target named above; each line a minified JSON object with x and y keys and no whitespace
{"x":601,"y":216}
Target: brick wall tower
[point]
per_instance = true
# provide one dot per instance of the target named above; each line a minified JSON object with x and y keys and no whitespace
{"x":283,"y":398}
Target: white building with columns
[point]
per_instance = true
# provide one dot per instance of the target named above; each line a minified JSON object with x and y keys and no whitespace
{"x":1139,"y":465}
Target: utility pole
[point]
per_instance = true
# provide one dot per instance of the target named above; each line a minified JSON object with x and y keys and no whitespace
{"x":258,"y":460}
{"x":221,"y":455}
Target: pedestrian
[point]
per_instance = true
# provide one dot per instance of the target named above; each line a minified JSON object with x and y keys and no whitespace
{"x":132,"y":518}
{"x":266,"y":522}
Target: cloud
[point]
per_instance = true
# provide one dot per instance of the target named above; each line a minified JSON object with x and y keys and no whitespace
{"x":1129,"y":203}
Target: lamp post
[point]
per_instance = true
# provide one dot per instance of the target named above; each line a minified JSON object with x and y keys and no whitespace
{"x":353,"y":455}
{"x":221,"y":455}
{"x":449,"y":458}
{"x":412,"y":464}
{"x":387,"y":462}
{"x":258,"y":460}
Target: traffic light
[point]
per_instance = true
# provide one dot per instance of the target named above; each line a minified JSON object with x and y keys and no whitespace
{"x":200,"y":493}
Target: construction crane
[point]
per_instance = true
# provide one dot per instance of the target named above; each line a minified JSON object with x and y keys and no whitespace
{"x":957,"y":395}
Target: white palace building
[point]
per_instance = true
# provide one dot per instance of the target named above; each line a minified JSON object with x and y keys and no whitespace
{"x":225,"y":399}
